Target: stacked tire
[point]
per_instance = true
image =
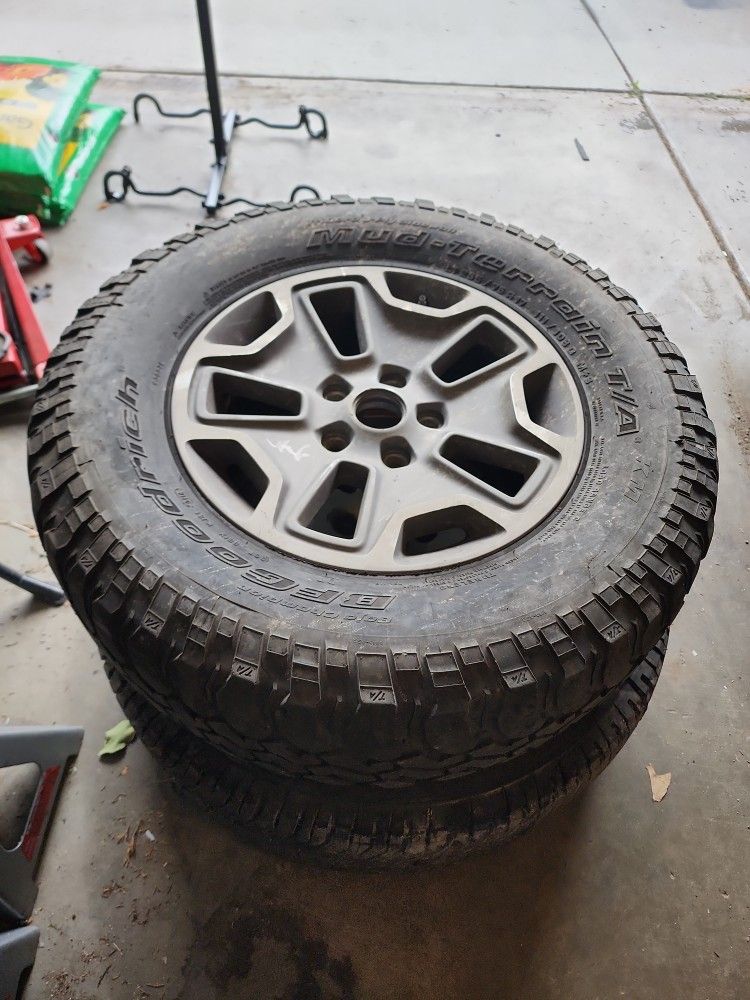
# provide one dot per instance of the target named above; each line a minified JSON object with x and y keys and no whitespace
{"x":379,"y":514}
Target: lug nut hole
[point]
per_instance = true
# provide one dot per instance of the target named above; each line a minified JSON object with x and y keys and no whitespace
{"x":336,"y":437}
{"x":334,"y":388}
{"x":394,"y":375}
{"x":431,"y":414}
{"x":396,"y":453}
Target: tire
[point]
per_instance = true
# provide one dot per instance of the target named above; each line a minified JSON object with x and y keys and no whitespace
{"x":425,"y":663}
{"x":314,"y":822}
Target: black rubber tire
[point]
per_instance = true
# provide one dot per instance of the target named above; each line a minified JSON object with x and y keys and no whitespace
{"x":467,"y":666}
{"x":441,"y":823}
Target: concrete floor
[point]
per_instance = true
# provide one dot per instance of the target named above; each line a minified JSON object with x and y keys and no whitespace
{"x":613,"y":896}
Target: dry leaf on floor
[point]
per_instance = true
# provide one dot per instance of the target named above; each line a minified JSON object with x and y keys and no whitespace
{"x":659,"y":783}
{"x":132,"y":841}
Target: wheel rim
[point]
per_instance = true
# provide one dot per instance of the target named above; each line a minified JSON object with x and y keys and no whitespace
{"x":377,"y":418}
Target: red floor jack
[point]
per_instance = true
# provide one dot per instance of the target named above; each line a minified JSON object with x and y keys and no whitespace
{"x":23,"y":347}
{"x":23,"y":355}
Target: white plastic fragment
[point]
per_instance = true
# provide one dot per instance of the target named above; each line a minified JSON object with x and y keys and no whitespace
{"x":659,"y":783}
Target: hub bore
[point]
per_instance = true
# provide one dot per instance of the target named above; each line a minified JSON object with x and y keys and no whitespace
{"x":379,"y":409}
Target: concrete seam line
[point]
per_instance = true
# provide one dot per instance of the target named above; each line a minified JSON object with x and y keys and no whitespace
{"x":729,"y":256}
{"x":398,"y":82}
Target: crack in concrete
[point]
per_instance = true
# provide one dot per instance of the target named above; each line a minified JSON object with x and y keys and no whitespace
{"x":729,"y":255}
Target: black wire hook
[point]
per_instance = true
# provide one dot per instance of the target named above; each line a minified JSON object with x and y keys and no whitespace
{"x":305,"y":115}
{"x":143,"y":96}
{"x":306,"y":118}
{"x":127,"y":183}
{"x":125,"y":177}
{"x":265,"y":204}
{"x":304,"y":187}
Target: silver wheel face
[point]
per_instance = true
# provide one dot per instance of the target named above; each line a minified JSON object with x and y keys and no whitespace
{"x":378,"y":419}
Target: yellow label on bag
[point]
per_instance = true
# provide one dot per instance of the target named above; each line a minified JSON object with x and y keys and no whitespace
{"x":28,"y":95}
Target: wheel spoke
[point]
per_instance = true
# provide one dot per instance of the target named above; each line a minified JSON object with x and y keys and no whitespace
{"x":422,"y":294}
{"x":246,"y":328}
{"x":480,"y":351}
{"x":339,"y":319}
{"x":335,"y":505}
{"x":544,"y":408}
{"x":449,"y":512}
{"x":502,"y":474}
{"x":226,"y":396}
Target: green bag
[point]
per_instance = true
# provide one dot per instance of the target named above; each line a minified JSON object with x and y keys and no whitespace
{"x":40,"y":102}
{"x":95,"y":128}
{"x":47,"y":153}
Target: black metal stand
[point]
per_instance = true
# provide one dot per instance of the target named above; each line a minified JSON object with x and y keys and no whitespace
{"x":49,"y":593}
{"x":223,"y":126}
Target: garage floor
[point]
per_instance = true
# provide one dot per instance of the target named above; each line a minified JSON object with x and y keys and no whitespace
{"x":614,"y":895}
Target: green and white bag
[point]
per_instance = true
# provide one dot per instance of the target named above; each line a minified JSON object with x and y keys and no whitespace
{"x":50,"y":137}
